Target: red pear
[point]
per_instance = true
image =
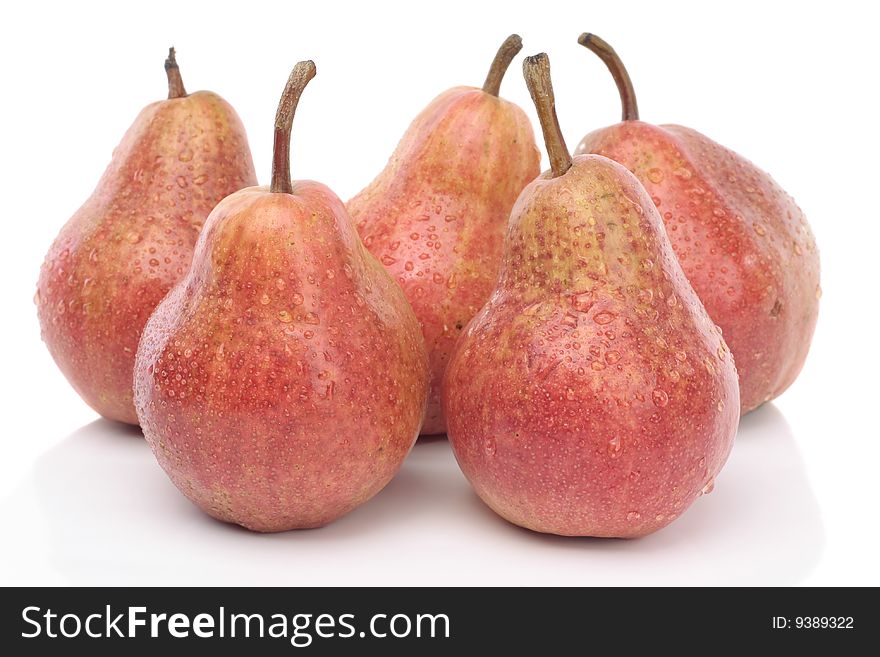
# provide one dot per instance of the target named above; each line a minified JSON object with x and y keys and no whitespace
{"x":282,"y":382}
{"x":435,"y":217}
{"x":118,"y":256}
{"x":744,"y":244}
{"x":592,"y":395}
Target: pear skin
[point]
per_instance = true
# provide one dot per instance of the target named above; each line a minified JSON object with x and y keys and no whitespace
{"x":283,"y":381}
{"x":133,"y":239}
{"x":592,"y":395}
{"x":743,"y":242}
{"x":436,"y":216}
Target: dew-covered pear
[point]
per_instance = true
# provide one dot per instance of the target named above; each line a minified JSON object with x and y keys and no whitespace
{"x":283,"y":381}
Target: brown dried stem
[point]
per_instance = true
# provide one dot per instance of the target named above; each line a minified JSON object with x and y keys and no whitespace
{"x":618,"y":72}
{"x":299,"y":78}
{"x":508,"y":50}
{"x":175,"y":82}
{"x":536,"y":70}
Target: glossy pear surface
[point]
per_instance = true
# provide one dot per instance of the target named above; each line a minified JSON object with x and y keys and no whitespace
{"x":436,"y":216}
{"x":122,"y":251}
{"x":592,"y":395}
{"x":741,"y":239}
{"x":282,"y":382}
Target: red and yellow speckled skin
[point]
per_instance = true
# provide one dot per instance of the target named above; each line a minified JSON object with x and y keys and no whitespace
{"x":592,"y":395}
{"x":283,"y":381}
{"x":744,"y":244}
{"x":436,"y":216}
{"x":121,"y":252}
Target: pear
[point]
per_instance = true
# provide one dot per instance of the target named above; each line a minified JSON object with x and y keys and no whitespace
{"x":592,"y":395}
{"x":436,"y":216}
{"x":743,"y":242}
{"x":118,"y":256}
{"x":282,"y":382}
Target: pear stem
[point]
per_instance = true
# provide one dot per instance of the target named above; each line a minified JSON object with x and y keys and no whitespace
{"x":175,"y":82}
{"x":299,"y":78}
{"x":536,"y":70}
{"x":508,"y":50}
{"x":618,"y":72}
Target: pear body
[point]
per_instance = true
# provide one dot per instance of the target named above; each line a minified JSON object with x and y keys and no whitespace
{"x":743,"y":243}
{"x":282,"y":382}
{"x":592,"y":395}
{"x":436,"y":216}
{"x":119,"y":255}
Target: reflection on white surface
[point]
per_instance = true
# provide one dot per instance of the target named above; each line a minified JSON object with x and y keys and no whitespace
{"x":97,"y":509}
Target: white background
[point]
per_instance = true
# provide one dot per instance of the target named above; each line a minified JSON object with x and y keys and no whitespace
{"x":792,"y":86}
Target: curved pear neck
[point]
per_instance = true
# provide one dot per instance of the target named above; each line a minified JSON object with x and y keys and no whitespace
{"x":175,"y":82}
{"x":508,"y":50}
{"x":588,"y":231}
{"x":296,"y":83}
{"x":629,"y":107}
